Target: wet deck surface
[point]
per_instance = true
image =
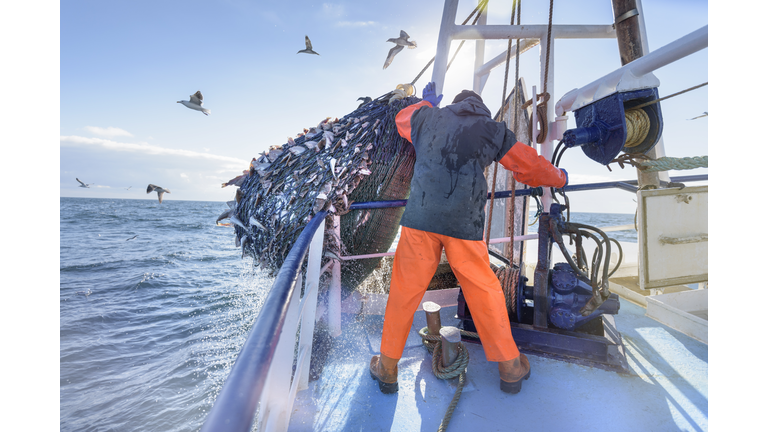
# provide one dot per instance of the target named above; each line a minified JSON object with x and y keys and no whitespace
{"x":667,"y":388}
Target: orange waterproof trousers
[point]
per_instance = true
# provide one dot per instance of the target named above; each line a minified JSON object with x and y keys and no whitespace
{"x":416,"y":259}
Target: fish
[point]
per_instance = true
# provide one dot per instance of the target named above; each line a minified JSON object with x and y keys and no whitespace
{"x":252,"y":220}
{"x":235,"y":220}
{"x":224,"y":215}
{"x":319,"y":202}
{"x":333,"y":167}
{"x":274,"y":154}
{"x":297,"y":150}
{"x":237,"y":181}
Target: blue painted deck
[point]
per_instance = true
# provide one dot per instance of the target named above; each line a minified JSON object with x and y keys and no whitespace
{"x":667,"y":389}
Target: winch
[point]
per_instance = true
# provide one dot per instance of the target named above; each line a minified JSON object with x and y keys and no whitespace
{"x":623,"y":121}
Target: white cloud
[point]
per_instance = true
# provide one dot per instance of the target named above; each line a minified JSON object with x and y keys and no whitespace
{"x":148,"y":149}
{"x":356,"y":23}
{"x":108,"y":131}
{"x":333,"y":10}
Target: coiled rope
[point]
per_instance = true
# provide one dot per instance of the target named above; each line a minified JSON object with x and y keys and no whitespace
{"x":458,"y":368}
{"x":638,"y":125}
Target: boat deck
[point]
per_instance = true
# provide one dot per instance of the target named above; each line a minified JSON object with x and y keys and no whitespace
{"x":665,"y":390}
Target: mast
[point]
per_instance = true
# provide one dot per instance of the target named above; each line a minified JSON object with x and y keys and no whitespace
{"x":633,"y":44}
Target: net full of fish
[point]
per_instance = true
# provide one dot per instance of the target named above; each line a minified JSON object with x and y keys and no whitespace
{"x":357,"y":158}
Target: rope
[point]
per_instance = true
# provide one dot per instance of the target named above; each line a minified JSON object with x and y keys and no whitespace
{"x":503,"y":103}
{"x":458,"y":368}
{"x":541,"y":109}
{"x":670,"y":163}
{"x":638,"y":125}
{"x":667,"y":97}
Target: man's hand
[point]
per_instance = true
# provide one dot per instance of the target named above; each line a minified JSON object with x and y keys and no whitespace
{"x":428,"y":94}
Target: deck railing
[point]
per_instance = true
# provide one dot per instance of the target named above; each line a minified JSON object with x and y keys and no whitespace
{"x":263,"y":378}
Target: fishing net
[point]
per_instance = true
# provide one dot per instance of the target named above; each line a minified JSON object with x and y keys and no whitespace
{"x":357,"y":158}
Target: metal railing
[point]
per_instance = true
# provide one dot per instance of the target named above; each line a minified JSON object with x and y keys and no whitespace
{"x":262,"y":378}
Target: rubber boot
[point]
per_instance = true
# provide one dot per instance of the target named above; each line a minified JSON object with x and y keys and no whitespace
{"x":513,"y":372}
{"x":384,"y":370}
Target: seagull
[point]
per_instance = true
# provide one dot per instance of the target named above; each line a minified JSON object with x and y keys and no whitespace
{"x":308,"y":50}
{"x":400,"y":42}
{"x":195,"y":102}
{"x":160,"y":191}
{"x":128,"y":187}
{"x":365,"y":100}
{"x":132,"y":237}
{"x":83,"y":184}
{"x":703,"y":115}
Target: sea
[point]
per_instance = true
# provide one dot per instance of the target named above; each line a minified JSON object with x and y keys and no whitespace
{"x":155,"y":303}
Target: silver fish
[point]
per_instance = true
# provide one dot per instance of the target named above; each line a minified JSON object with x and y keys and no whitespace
{"x":224,"y":215}
{"x":252,"y":220}
{"x":297,"y":150}
{"x":333,"y":168}
{"x":235,"y":220}
{"x":332,"y":255}
{"x":327,"y":187}
{"x":274,"y":154}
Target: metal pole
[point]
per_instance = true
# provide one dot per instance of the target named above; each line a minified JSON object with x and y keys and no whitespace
{"x":450,"y":336}
{"x":633,"y":44}
{"x":447,"y":26}
{"x":334,"y":295}
{"x":432,"y":310}
{"x":310,"y":299}
{"x":478,"y":81}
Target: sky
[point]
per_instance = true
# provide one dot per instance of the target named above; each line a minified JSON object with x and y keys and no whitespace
{"x":125,"y":64}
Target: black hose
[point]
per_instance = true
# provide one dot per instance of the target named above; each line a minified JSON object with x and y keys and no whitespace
{"x":607,"y":247}
{"x":559,"y":240}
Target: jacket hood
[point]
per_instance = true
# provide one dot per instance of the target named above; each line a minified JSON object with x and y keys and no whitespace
{"x":469,"y":107}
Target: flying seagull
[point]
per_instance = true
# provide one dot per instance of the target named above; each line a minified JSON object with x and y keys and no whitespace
{"x":703,"y":115}
{"x":400,"y":43}
{"x":365,"y":100}
{"x":128,"y":187}
{"x":160,"y":191}
{"x":195,"y":102}
{"x":308,"y":50}
{"x":132,"y":237}
{"x":83,"y":184}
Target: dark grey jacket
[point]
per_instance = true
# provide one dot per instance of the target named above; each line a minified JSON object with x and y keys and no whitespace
{"x":453,"y":146}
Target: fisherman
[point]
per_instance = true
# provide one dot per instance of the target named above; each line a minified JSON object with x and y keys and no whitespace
{"x":446,"y":209}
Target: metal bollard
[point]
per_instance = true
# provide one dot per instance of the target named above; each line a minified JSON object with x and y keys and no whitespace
{"x":451,"y":336}
{"x":432,"y":310}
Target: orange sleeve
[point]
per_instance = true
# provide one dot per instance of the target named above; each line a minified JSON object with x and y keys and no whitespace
{"x":530,"y":168}
{"x":403,"y":119}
